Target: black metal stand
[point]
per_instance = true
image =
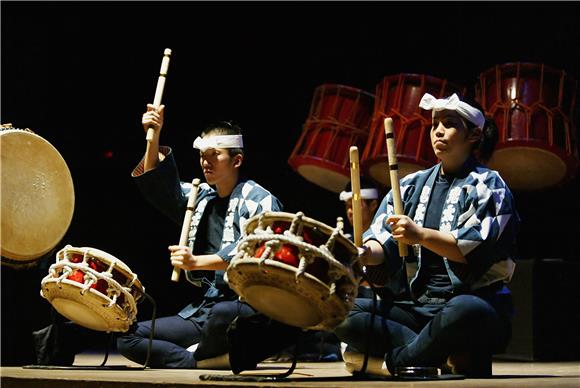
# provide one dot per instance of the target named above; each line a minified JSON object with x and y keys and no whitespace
{"x":257,"y":378}
{"x":102,"y":366}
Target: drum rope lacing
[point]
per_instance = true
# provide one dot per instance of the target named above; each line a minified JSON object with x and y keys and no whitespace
{"x":129,"y":308}
{"x":308,"y":252}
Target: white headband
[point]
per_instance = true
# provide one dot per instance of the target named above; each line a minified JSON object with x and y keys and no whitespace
{"x":220,"y":141}
{"x":364,"y":194}
{"x":474,"y":115}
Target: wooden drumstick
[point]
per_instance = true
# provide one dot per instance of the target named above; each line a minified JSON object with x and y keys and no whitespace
{"x":187,"y":223}
{"x":160,"y":86}
{"x":394,"y":175}
{"x":356,"y":205}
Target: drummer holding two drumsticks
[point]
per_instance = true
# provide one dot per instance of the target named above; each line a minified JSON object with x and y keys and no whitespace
{"x":218,"y":216}
{"x":460,"y":226}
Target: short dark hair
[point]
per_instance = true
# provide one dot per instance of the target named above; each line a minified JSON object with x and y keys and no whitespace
{"x":489,"y":133}
{"x":224,"y":127}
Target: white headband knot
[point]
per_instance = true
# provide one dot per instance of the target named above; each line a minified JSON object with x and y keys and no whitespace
{"x":364,"y":194}
{"x":219,"y":141}
{"x":473,"y":115}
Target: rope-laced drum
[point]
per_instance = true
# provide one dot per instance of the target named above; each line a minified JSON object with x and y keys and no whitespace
{"x":339,"y":117}
{"x":533,"y":106}
{"x":296,"y":270}
{"x":37,"y":197}
{"x":93,"y":288}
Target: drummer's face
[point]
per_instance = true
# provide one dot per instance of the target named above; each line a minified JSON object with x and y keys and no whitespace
{"x":216,"y":164}
{"x":368,"y":208}
{"x":449,"y":136}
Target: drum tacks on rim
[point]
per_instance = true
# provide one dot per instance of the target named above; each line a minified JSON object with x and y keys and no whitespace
{"x":296,"y":270}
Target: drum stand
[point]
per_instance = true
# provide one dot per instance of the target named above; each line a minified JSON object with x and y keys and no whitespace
{"x":102,"y":366}
{"x":257,"y":378}
{"x":402,"y":374}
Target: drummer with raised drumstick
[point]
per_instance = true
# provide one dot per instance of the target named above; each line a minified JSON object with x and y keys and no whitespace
{"x":221,"y":207}
{"x":458,"y":223}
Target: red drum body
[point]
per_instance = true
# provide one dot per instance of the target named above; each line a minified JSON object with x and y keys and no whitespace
{"x":93,"y":289}
{"x":398,"y":97}
{"x":339,"y":118}
{"x":296,"y":270}
{"x":533,"y":107}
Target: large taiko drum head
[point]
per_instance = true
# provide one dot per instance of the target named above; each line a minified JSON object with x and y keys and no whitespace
{"x":533,"y":107}
{"x":37,"y":197}
{"x":398,"y":96}
{"x":338,"y":119}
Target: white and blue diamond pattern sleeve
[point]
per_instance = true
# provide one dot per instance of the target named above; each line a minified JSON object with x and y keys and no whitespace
{"x":487,"y":226}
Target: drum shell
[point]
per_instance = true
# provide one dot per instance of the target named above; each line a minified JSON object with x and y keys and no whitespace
{"x":339,"y":118}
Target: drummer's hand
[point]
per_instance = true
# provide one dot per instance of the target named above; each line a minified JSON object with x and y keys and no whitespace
{"x":153,"y":118}
{"x":371,"y":253}
{"x":405,"y":230}
{"x":182,"y":257}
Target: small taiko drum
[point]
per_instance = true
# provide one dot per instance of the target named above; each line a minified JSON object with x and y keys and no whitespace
{"x":398,"y":96}
{"x":339,"y":118}
{"x":37,"y":197}
{"x":93,"y":289}
{"x":533,"y":108}
{"x":296,"y":270}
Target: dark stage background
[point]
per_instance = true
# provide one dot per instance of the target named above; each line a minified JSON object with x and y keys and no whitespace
{"x":80,"y":75}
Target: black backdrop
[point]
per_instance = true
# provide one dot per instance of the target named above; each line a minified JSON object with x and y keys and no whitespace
{"x":80,"y":73}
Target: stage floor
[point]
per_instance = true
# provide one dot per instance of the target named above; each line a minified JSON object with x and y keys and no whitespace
{"x":330,"y":374}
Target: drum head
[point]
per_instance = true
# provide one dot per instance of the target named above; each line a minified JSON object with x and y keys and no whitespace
{"x":37,"y":195}
{"x":274,"y":291}
{"x":528,"y":168}
{"x":90,"y":310}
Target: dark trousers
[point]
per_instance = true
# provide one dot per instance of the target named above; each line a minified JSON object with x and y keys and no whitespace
{"x":407,"y":335}
{"x":174,"y":334}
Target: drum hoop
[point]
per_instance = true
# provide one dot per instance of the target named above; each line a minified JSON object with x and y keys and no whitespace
{"x":99,"y":254}
{"x":329,"y":86}
{"x":284,"y":216}
{"x":130,"y":312}
{"x":93,"y":300}
{"x":534,"y":65}
{"x":318,"y":252}
{"x":19,"y":264}
{"x":428,"y":77}
{"x":53,"y":276}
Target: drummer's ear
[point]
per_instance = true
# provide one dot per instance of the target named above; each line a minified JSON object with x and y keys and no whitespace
{"x":373,"y":206}
{"x":238,"y":159}
{"x":474,"y":135}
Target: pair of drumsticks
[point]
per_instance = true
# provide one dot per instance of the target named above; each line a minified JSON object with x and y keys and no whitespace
{"x":355,"y":185}
{"x":354,"y":175}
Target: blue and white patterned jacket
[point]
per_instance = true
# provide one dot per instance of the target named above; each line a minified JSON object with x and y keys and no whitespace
{"x":478,"y":211}
{"x":164,"y":190}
